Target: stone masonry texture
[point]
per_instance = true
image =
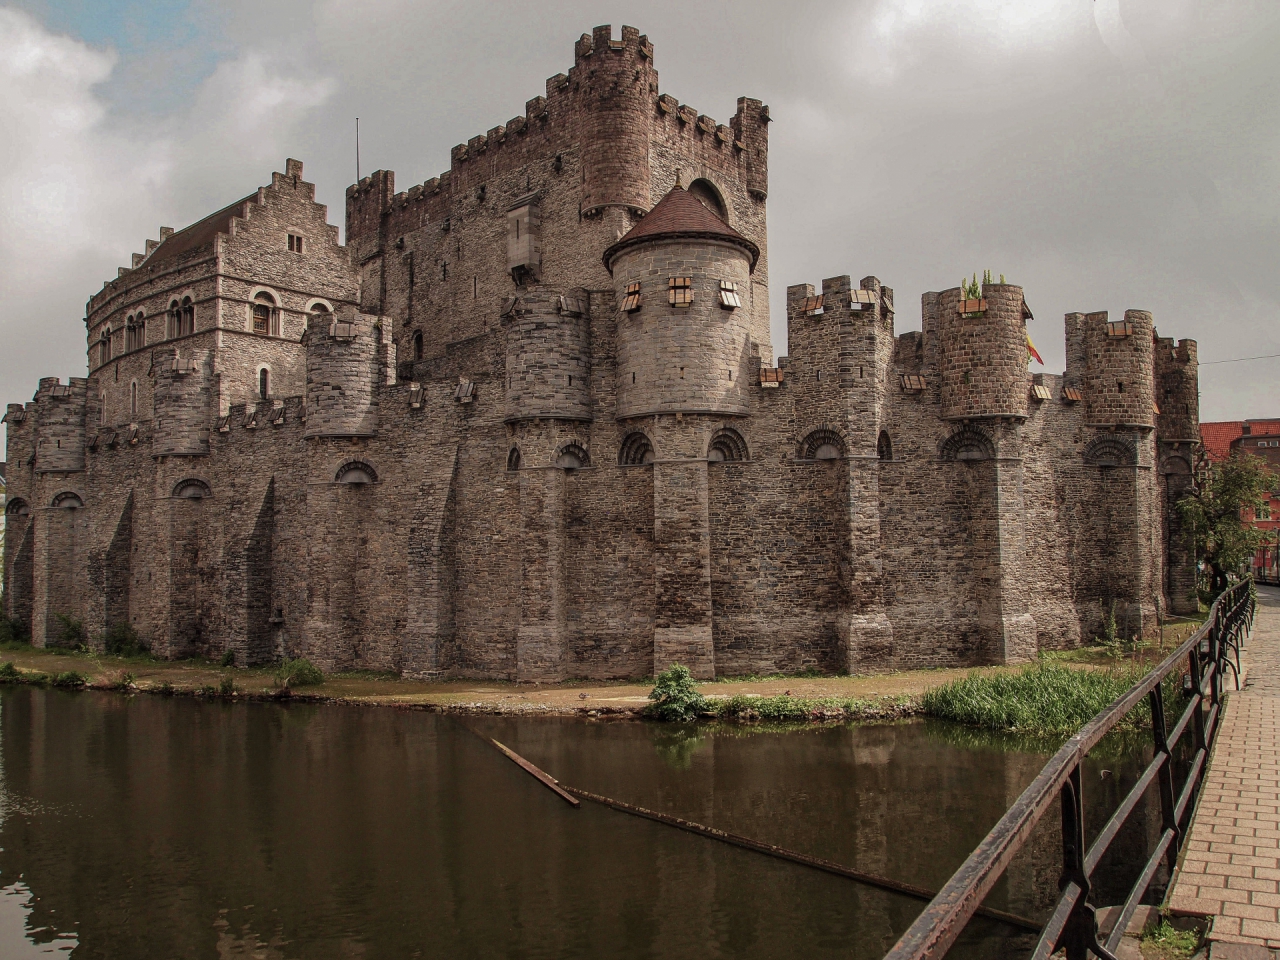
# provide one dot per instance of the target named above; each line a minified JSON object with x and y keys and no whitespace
{"x":467,"y":443}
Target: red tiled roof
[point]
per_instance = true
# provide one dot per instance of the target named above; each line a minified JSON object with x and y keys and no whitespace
{"x":680,"y":215}
{"x":1263,"y":428}
{"x":199,"y":234}
{"x":1217,"y":437}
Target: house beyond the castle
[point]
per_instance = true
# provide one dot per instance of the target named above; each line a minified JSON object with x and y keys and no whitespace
{"x":526,"y":424}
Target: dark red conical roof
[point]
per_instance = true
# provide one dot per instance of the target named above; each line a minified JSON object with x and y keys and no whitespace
{"x":680,"y":216}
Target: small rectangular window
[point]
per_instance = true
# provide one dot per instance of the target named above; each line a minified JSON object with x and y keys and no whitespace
{"x":1119,"y":328}
{"x":680,"y":291}
{"x":729,"y":298}
{"x":632,"y":302}
{"x":912,"y":383}
{"x":261,"y":318}
{"x":295,"y":243}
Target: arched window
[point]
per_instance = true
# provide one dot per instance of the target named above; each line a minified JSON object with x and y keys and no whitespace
{"x":636,"y":449}
{"x":884,"y":446}
{"x":67,"y":501}
{"x":264,"y":384}
{"x":822,"y":444}
{"x":417,"y":345}
{"x":102,"y":407}
{"x":706,"y":191}
{"x":133,"y":398}
{"x":966,"y":444}
{"x":356,"y":472}
{"x":572,"y":456}
{"x":513,"y":459}
{"x":264,"y":313}
{"x":17,"y":507}
{"x":727,"y":445}
{"x":188,"y":316}
{"x":173,"y":321}
{"x":104,"y":346}
{"x":192,"y":489}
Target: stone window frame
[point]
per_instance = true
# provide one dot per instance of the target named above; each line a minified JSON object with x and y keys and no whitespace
{"x":884,"y":447}
{"x":276,"y":307}
{"x":133,"y":398}
{"x":417,"y":345}
{"x":968,"y":444}
{"x":17,"y":507}
{"x":263,"y":368}
{"x":296,"y":242}
{"x":191,"y":488}
{"x":575,"y":451}
{"x":1110,"y":451}
{"x":104,"y":346}
{"x":67,"y":500}
{"x":817,"y":441}
{"x":180,"y":319}
{"x":319,"y":305}
{"x":349,"y":468}
{"x":703,"y":189}
{"x":636,"y":450}
{"x":728,"y":445}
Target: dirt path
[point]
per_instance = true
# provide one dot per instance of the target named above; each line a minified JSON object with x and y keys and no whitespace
{"x":580,"y":697}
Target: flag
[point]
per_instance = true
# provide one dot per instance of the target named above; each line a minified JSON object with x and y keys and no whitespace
{"x":1031,"y":350}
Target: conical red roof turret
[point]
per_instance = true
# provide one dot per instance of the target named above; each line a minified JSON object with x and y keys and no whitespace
{"x":680,"y":216}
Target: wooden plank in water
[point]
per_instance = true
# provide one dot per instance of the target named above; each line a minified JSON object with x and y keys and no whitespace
{"x":782,"y":853}
{"x":550,"y":782}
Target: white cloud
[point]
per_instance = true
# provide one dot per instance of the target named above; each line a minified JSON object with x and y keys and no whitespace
{"x":83,"y":186}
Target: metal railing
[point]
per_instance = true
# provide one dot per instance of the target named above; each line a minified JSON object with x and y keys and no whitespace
{"x":1208,"y":654}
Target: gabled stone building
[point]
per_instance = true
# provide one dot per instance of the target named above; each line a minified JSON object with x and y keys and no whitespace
{"x":526,"y":424}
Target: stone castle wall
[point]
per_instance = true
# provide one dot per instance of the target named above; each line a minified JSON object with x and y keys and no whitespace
{"x":473,"y":461}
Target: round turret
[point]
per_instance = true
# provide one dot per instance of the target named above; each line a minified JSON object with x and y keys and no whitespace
{"x":982,"y":353}
{"x":183,"y":390}
{"x":548,"y":367}
{"x":1119,"y":378}
{"x":616,"y":86}
{"x":681,"y":278}
{"x":60,"y":415}
{"x":341,"y":369}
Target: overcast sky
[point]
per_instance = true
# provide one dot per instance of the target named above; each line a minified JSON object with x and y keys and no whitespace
{"x":1104,"y":154}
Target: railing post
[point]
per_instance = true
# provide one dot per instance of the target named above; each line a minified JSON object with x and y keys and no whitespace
{"x":1167,"y":802}
{"x":1215,"y":679}
{"x":1197,"y":688}
{"x":1081,"y":931}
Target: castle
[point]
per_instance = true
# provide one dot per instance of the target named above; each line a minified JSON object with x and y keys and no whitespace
{"x":526,"y":424}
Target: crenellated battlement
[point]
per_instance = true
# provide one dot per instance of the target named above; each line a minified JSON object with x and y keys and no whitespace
{"x":1120,"y":369}
{"x":1177,"y":389}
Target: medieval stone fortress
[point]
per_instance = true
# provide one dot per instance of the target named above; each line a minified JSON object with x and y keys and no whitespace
{"x":527,"y":424}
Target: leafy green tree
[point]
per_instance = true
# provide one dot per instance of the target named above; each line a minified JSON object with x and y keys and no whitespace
{"x":1213,"y":511}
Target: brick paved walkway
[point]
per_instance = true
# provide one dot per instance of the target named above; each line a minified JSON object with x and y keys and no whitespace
{"x":1231,"y":865}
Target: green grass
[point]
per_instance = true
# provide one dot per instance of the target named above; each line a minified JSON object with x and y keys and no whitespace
{"x":784,"y":708}
{"x":1044,"y":698}
{"x":1169,"y":943}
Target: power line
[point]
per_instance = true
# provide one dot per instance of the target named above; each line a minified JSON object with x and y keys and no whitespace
{"x":1209,"y":363}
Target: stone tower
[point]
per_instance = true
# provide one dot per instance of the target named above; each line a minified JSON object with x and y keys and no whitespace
{"x":684,"y":356}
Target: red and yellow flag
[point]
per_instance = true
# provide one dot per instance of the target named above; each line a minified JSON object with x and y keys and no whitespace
{"x":1033,"y":352}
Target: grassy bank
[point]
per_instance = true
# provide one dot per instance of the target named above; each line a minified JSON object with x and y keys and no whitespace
{"x":1045,"y":699}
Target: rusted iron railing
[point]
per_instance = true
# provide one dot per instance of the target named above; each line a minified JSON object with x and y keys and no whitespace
{"x":1207,"y":655}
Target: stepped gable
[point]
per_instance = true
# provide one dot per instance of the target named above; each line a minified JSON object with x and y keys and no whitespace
{"x":681,"y":216}
{"x":199,"y":234}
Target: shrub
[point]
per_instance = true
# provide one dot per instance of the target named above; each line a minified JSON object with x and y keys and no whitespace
{"x":300,"y":672}
{"x":9,"y":673}
{"x":674,"y":697}
{"x":13,"y":631}
{"x":227,"y":687}
{"x":72,"y":633}
{"x":122,"y":640}
{"x":70,"y":679}
{"x":229,"y":658}
{"x":166,"y":688}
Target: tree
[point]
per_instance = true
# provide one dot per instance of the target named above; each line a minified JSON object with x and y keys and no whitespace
{"x":1213,"y":514}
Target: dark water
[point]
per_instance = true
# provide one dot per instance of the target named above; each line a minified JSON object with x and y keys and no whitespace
{"x":158,"y":828}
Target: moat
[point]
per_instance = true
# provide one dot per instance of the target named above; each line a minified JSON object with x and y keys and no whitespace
{"x":146,"y":826}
